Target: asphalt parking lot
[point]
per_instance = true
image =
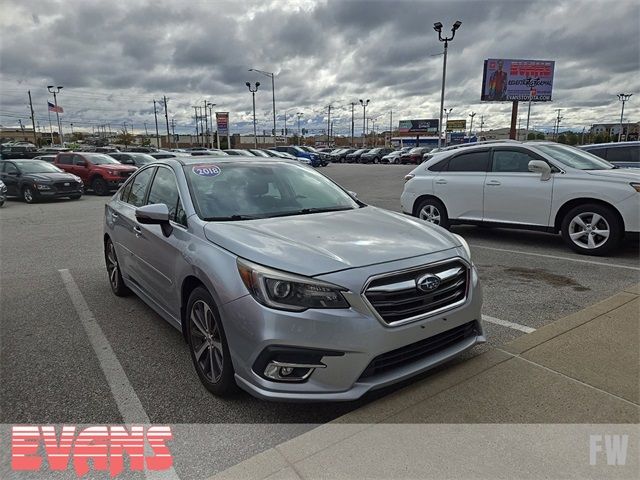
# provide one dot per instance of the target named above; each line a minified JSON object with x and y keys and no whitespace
{"x":50,"y":373}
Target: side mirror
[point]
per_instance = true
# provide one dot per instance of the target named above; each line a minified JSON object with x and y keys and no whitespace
{"x":155,"y":214}
{"x":353,"y":194}
{"x":543,"y":168}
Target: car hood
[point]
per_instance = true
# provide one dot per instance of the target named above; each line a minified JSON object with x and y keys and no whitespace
{"x":319,"y":243}
{"x":117,"y":167}
{"x":50,"y":177}
{"x":628,"y":174}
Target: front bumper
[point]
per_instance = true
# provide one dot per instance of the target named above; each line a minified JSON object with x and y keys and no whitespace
{"x":629,"y":208}
{"x":60,"y":193}
{"x":251,"y":328}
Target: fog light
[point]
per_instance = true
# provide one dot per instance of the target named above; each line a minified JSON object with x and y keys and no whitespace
{"x":290,"y":372}
{"x":286,"y":371}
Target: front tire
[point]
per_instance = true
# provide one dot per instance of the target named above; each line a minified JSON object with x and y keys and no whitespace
{"x":100,"y":186}
{"x":591,"y":229}
{"x":433,"y":211}
{"x":75,"y":197}
{"x":28,"y":195}
{"x":208,"y":344}
{"x":113,"y":270}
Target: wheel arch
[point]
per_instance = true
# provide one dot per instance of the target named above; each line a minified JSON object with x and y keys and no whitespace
{"x":421,"y":198}
{"x":567,"y":206}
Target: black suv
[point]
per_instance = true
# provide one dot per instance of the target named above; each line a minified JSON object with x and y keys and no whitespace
{"x":621,"y":154}
{"x":17,"y":151}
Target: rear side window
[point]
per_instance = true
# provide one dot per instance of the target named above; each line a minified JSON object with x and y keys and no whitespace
{"x":440,"y":166}
{"x":470,"y":162}
{"x":65,"y":159}
{"x":138,"y":189}
{"x":623,"y":154}
{"x":600,"y":152}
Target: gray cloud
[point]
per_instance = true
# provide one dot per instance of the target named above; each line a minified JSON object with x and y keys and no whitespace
{"x":115,"y":58}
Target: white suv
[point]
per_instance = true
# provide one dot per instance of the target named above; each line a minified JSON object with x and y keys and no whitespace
{"x":535,"y":185}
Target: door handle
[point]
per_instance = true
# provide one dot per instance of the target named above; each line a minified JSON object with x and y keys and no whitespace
{"x":114,"y":215}
{"x":493,"y":183}
{"x":137,"y":231}
{"x":441,"y":181}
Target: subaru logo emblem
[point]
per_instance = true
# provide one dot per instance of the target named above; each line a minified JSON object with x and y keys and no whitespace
{"x":427,"y":283}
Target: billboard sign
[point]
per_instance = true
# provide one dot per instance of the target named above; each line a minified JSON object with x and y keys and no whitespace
{"x":508,"y":80}
{"x":456,"y":125}
{"x":418,"y":127}
{"x":222,"y":122}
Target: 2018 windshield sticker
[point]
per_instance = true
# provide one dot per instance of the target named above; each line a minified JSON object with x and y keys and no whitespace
{"x":207,"y":170}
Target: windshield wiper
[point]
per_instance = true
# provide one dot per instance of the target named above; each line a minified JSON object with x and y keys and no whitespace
{"x":305,"y":211}
{"x":231,"y":217}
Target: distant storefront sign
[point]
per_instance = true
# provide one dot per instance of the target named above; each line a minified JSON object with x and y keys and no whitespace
{"x":453,"y":125}
{"x":222,"y":121}
{"x":508,"y":80}
{"x":418,"y":127}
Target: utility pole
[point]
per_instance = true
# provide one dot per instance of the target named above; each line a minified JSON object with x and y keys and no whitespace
{"x":206,"y":126}
{"x":300,"y":114}
{"x":155,"y":114}
{"x":33,"y":121}
{"x":173,"y":129}
{"x":390,"y":128}
{"x":166,"y":117}
{"x":364,"y":104}
{"x":195,"y":110}
{"x":557,"y":132}
{"x":329,"y":125}
{"x":211,"y":105}
{"x":146,"y":132}
{"x":481,"y":124}
{"x":472,"y":114}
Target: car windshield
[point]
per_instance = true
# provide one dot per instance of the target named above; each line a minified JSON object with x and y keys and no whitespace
{"x":245,"y":191}
{"x":575,"y":158}
{"x":37,"y":166}
{"x":143,"y":158}
{"x":99,"y":159}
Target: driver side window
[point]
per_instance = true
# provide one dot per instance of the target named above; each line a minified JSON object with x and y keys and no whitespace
{"x":511,"y":161}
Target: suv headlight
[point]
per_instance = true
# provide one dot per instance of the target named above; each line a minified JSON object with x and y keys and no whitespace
{"x":465,"y":245}
{"x":635,"y":186}
{"x":287,"y":291}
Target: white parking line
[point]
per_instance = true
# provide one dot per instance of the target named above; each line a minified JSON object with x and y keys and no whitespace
{"x":128,"y":403}
{"x":556,"y":257}
{"x":505,"y":323}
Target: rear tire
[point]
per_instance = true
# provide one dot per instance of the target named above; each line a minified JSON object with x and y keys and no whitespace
{"x":100,"y":186}
{"x":433,"y":211}
{"x":113,"y":270}
{"x":75,"y":197}
{"x":592,"y":229}
{"x":208,"y":344}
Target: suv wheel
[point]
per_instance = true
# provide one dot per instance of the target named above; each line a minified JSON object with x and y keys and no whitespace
{"x":376,"y":160}
{"x":28,"y":195}
{"x":208,"y":344}
{"x":591,"y":229}
{"x":433,"y":211}
{"x":113,"y":269}
{"x":99,"y":186}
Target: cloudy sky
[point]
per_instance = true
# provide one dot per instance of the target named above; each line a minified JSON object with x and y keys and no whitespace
{"x":114,"y":58}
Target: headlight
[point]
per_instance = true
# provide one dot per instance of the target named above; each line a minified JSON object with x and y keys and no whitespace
{"x":287,"y":291}
{"x":77,"y":179}
{"x":42,"y":186}
{"x":465,"y":245}
{"x":635,"y":186}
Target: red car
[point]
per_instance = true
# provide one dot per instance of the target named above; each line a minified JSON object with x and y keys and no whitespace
{"x":414,"y":155}
{"x":98,"y":171}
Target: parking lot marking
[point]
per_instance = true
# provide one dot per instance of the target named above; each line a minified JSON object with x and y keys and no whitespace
{"x":556,"y":257}
{"x":506,"y":323}
{"x":123,"y":393}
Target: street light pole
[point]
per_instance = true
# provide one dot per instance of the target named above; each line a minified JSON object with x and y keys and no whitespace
{"x":253,"y":91}
{"x":211,"y":105}
{"x":299,"y":114}
{"x":364,"y":104}
{"x":438,"y":28}
{"x":155,"y":115}
{"x":55,"y":90}
{"x":623,"y":97}
{"x":446,"y":112}
{"x":273,"y":95}
{"x":472,"y":114}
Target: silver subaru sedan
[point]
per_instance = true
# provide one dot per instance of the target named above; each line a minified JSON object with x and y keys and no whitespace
{"x":285,"y":284}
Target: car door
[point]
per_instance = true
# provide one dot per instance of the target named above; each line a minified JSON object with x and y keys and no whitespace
{"x":158,"y":254}
{"x":10,"y":175}
{"x":81,"y":168}
{"x":126,"y":229}
{"x":513,"y":194}
{"x":460,"y":184}
{"x":65,"y":162}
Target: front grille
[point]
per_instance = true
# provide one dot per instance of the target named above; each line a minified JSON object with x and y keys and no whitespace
{"x":397,"y":299}
{"x":420,"y":350}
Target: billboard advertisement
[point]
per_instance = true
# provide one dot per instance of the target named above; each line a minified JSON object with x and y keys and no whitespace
{"x":418,"y":127}
{"x":222,"y":122}
{"x":507,"y":80}
{"x":456,"y":125}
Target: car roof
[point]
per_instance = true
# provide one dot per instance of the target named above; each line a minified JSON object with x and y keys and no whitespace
{"x":633,"y":143}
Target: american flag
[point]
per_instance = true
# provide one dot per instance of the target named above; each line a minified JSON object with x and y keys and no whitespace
{"x":53,"y":108}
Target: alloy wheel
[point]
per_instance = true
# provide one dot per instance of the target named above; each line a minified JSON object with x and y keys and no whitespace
{"x":112,"y":266}
{"x":206,"y":341}
{"x":589,"y":230}
{"x":28,"y":195}
{"x":430,"y":213}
